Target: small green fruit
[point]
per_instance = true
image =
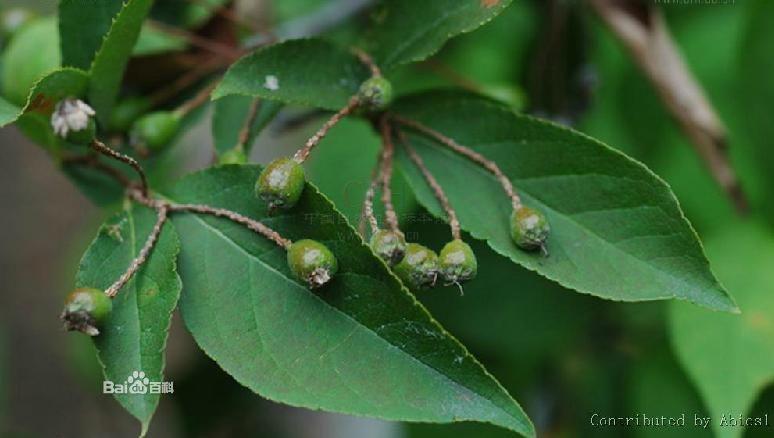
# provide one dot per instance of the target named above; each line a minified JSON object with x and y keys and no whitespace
{"x":233,"y":156}
{"x":529,"y":228}
{"x":457,"y":261}
{"x":281,"y":183}
{"x":389,"y":245}
{"x":126,"y":112}
{"x":86,"y":309}
{"x":375,"y":93}
{"x":156,"y":130}
{"x":312,"y":262}
{"x":419,"y":267}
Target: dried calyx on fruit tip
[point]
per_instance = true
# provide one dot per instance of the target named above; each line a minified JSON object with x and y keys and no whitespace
{"x":281,"y":183}
{"x":529,"y":228}
{"x":419,"y":267}
{"x":375,"y":93}
{"x":155,"y":130}
{"x":86,"y":310}
{"x":389,"y":245}
{"x":457,"y":262}
{"x":312,"y":262}
{"x":73,"y":120}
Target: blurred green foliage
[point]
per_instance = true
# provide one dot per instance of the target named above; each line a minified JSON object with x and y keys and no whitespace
{"x":564,"y":355}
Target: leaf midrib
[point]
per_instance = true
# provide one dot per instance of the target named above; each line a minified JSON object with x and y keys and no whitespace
{"x":141,"y":363}
{"x":448,"y":153}
{"x":230,"y":241}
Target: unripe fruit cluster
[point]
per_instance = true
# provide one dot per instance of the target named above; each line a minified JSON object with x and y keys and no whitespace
{"x":418,"y":266}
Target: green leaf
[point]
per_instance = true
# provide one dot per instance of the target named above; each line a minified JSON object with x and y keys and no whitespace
{"x":230,"y":115}
{"x":658,"y":387}
{"x":309,"y":72}
{"x":152,"y":41}
{"x":185,"y":13}
{"x":52,"y":88}
{"x":730,"y":358}
{"x":362,"y":345}
{"x":83,"y":25}
{"x":757,"y":90}
{"x":134,"y":338}
{"x":617,"y":231}
{"x":403,"y":31}
{"x":32,"y":53}
{"x":113,"y":56}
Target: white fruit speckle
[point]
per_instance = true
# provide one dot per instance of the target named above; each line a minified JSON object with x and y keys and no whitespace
{"x":271,"y":83}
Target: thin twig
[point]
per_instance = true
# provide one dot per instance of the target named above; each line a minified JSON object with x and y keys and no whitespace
{"x":199,"y":99}
{"x":235,"y":217}
{"x":440,"y":195}
{"x":368,"y":203}
{"x":366,"y":59}
{"x":643,"y":31}
{"x":252,"y":114}
{"x":303,"y":153}
{"x":161,"y":211}
{"x":474,"y":156}
{"x":195,"y":40}
{"x":105,"y":150}
{"x":214,"y":211}
{"x":388,"y":152}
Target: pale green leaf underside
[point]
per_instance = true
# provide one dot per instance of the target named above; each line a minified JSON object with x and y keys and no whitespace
{"x":362,"y":345}
{"x":134,"y":339}
{"x":403,"y":31}
{"x":153,"y":41}
{"x":617,"y":231}
{"x":107,"y":70}
{"x":730,"y":358}
{"x":309,"y":72}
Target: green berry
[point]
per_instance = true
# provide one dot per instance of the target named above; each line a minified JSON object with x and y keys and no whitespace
{"x":12,"y":19}
{"x":419,"y":267}
{"x":156,"y":130}
{"x":457,"y":261}
{"x":389,"y":245}
{"x":312,"y":262}
{"x":529,"y":228}
{"x":281,"y":183}
{"x":86,"y":309}
{"x":375,"y":93}
{"x":233,"y":156}
{"x":126,"y":112}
